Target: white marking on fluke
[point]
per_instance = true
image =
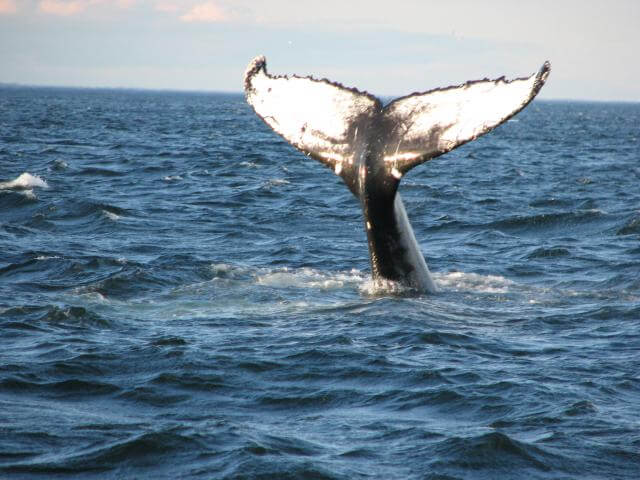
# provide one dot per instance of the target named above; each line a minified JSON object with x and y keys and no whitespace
{"x":398,"y":157}
{"x":335,"y":157}
{"x":372,"y":146}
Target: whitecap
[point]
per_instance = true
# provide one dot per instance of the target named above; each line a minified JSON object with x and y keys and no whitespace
{"x":24,"y":181}
{"x":111,"y":215}
{"x":89,"y":294}
{"x":172,"y":178}
{"x":226,"y":270}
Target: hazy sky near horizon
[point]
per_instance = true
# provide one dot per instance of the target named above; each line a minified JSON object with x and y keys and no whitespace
{"x":384,"y":47}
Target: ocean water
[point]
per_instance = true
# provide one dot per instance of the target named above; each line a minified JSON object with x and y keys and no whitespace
{"x":183,"y":295}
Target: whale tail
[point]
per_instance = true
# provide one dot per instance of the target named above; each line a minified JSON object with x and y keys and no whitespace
{"x":371,"y":146}
{"x":331,"y":123}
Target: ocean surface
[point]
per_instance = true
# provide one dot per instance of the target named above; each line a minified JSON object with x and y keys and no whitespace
{"x":183,"y":295}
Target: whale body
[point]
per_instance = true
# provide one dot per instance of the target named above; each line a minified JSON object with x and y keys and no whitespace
{"x":371,"y":146}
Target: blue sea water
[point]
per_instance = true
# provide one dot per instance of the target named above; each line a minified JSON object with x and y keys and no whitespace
{"x":183,"y":295}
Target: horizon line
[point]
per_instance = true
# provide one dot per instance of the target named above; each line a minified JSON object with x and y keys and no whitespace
{"x":240,"y":92}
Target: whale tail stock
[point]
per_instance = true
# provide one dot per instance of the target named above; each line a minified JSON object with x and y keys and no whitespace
{"x":371,"y":146}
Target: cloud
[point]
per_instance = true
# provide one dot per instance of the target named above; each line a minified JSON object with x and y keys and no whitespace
{"x":204,"y":12}
{"x":67,"y":8}
{"x":61,"y":7}
{"x":8,"y":6}
{"x":167,"y":7}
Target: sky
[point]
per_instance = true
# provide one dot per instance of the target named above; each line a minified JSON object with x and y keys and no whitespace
{"x":388,"y":48}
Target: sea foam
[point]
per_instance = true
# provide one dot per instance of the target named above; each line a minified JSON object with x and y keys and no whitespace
{"x":473,"y":282}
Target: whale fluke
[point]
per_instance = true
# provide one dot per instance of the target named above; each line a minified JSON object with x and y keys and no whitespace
{"x":371,"y":146}
{"x":425,"y":125}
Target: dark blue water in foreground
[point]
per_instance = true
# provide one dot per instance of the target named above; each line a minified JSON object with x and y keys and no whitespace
{"x":182,"y":295}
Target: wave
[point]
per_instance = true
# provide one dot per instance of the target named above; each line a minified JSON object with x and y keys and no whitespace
{"x":101,"y":172}
{"x":110,"y":215}
{"x":552,"y":252}
{"x":562,"y":220}
{"x":68,"y":389}
{"x":20,"y":192}
{"x":23,"y":186}
{"x":49,"y":271}
{"x":24,"y":181}
{"x":48,"y":317}
{"x":631,"y":227}
{"x":83,"y":209}
{"x":159,"y":447}
{"x":172,"y":178}
{"x":496,"y":451}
